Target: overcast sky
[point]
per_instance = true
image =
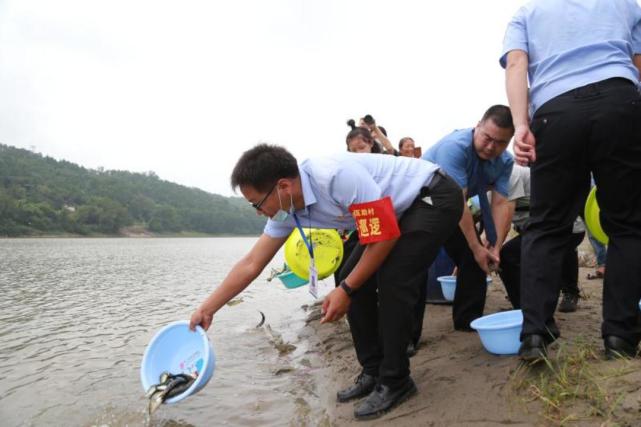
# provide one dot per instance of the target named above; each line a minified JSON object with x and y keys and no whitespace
{"x":181,"y":88}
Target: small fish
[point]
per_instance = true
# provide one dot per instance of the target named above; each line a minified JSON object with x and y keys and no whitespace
{"x":154,"y":403}
{"x":278,"y":342}
{"x":168,"y":387}
{"x":178,"y":384}
{"x":262,"y":320}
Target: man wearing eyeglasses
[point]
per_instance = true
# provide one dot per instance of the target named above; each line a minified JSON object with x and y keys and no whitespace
{"x":476,"y":159}
{"x":403,"y":210}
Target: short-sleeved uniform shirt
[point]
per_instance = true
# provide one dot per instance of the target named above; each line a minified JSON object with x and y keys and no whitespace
{"x":560,"y":58}
{"x":456,"y":155}
{"x":332,"y":184}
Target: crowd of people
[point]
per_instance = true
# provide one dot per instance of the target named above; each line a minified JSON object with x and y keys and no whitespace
{"x":572,"y":80}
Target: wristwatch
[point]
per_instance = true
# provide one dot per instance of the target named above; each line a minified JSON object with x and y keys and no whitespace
{"x":344,"y":286}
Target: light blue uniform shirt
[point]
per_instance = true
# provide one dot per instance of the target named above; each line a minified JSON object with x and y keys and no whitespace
{"x":331,"y":184}
{"x":456,"y":155}
{"x":572,"y":43}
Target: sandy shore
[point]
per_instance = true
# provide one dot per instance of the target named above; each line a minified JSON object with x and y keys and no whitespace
{"x":460,"y":384}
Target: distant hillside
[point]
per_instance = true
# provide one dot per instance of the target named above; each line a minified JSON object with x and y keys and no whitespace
{"x":41,"y":195}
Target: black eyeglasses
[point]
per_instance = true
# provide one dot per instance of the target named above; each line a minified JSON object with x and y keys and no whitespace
{"x":259,"y":204}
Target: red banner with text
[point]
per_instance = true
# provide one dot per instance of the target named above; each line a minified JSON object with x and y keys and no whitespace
{"x":375,"y":221}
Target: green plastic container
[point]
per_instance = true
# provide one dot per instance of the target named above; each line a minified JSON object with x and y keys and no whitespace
{"x":291,"y":280}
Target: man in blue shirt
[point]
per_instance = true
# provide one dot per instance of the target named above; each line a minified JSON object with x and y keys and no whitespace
{"x":476,"y":159}
{"x":379,"y":286}
{"x":582,"y":60}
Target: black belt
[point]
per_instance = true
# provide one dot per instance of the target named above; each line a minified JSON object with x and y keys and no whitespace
{"x":595,"y":88}
{"x":439,"y":175}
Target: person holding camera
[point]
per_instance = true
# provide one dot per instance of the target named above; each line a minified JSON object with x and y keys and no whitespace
{"x":378,"y":133}
{"x":360,"y":140}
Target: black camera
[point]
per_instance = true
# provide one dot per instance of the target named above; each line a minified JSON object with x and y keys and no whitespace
{"x":369,"y":120}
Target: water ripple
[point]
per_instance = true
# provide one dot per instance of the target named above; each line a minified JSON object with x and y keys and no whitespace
{"x":76,"y":315}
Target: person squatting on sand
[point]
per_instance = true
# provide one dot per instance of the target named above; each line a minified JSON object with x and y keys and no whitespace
{"x":582,"y":60}
{"x":403,"y":209}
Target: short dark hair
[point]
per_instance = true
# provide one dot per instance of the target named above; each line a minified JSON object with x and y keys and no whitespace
{"x":262,"y":166}
{"x":402,"y":142}
{"x":500,"y":115}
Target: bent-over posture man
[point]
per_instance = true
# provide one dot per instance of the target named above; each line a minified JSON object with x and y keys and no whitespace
{"x":403,"y":209}
{"x":476,"y":159}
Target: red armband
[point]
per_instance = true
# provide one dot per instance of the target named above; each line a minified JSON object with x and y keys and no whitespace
{"x":375,"y":221}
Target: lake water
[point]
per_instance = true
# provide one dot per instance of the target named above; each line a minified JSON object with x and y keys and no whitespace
{"x":77,"y":314}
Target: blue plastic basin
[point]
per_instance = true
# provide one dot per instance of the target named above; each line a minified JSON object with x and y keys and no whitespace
{"x":448,"y":286}
{"x":177,"y":350}
{"x":500,"y":332}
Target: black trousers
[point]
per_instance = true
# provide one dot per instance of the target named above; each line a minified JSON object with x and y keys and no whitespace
{"x":471,"y":287}
{"x":511,"y":268}
{"x":419,"y":308}
{"x":381,"y":313}
{"x":593,"y":128}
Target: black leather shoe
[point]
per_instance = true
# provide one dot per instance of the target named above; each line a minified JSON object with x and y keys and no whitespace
{"x":382,"y":399}
{"x":568,"y":303}
{"x":616,"y":347}
{"x":533,"y":348}
{"x":363,"y":385}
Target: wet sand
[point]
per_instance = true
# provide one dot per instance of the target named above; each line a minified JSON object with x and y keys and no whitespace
{"x":460,"y":384}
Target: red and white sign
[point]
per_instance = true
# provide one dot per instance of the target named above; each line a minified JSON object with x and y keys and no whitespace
{"x":375,"y":221}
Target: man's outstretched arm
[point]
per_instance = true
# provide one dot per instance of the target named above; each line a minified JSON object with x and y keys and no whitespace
{"x":239,"y":277}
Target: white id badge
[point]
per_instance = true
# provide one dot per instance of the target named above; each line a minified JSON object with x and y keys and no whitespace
{"x":313,"y":279}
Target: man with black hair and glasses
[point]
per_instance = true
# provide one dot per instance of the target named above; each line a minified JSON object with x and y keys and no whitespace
{"x":403,"y":210}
